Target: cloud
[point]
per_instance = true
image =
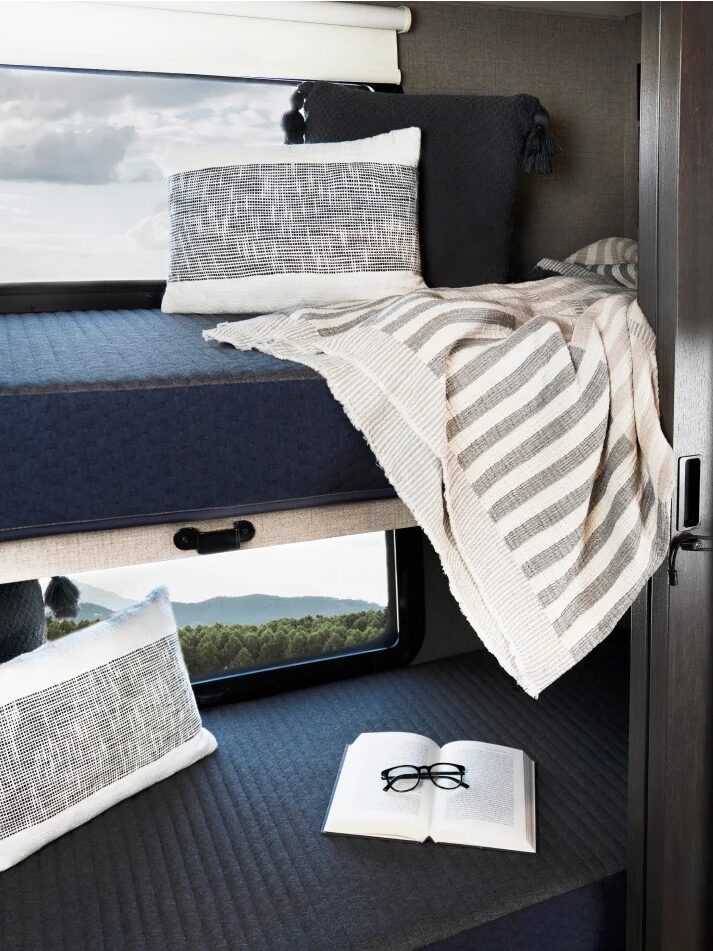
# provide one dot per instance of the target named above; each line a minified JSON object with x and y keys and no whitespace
{"x":88,"y":156}
{"x":94,"y":128}
{"x":57,"y":95}
{"x":151,"y":232}
{"x":76,"y":256}
{"x":140,"y":165}
{"x":13,"y":211}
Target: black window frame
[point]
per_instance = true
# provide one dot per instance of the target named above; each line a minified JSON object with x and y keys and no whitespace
{"x":37,"y":297}
{"x":406,"y":601}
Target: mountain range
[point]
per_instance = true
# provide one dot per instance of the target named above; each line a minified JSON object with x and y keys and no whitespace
{"x":97,"y":604}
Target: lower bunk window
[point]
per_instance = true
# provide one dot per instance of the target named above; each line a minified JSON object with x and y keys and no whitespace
{"x":258,"y":620}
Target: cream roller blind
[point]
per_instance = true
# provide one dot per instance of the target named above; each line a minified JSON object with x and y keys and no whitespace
{"x":350,"y":42}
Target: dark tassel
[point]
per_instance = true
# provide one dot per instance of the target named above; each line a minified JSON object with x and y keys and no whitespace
{"x":539,"y":145}
{"x":293,"y":125}
{"x":293,"y":122}
{"x":62,"y":597}
{"x":297,"y":99}
{"x":304,"y":90}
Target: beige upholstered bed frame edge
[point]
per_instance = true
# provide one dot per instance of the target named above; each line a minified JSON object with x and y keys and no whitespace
{"x":49,"y":555}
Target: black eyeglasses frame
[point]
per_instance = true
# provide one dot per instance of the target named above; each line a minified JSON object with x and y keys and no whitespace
{"x":455,"y":774}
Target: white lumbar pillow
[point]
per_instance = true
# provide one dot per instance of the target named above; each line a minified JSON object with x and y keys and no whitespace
{"x":267,"y":228}
{"x":90,"y":719}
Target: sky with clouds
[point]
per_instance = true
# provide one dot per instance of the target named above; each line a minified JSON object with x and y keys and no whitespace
{"x":82,"y":195}
{"x":350,"y":567}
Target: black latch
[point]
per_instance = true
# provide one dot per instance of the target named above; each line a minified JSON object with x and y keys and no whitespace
{"x":687,"y":542}
{"x":212,"y":543}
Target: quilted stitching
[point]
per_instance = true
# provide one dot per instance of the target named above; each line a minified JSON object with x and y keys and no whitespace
{"x":228,"y":854}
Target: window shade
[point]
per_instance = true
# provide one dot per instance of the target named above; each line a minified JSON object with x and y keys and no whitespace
{"x":349,"y":42}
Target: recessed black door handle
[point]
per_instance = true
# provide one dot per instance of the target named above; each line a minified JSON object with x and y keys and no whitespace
{"x":688,"y":510}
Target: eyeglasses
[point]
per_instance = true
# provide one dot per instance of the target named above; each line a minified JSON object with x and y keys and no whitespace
{"x":407,"y":778}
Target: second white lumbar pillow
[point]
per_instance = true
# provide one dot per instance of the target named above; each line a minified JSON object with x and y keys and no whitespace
{"x":270,"y":228}
{"x":90,"y":719}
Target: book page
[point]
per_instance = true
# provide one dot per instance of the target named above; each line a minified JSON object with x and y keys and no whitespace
{"x":498,"y":809}
{"x":361,"y":807}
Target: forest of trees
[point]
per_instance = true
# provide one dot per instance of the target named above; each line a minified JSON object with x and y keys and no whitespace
{"x":211,"y":649}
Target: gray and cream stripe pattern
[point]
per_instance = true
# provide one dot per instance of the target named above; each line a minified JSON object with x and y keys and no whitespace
{"x":519,"y":423}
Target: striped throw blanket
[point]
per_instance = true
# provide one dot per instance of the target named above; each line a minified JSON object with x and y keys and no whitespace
{"x":519,"y":424}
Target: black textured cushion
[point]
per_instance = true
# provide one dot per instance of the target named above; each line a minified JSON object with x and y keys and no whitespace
{"x":471,"y":153}
{"x":22,"y":618}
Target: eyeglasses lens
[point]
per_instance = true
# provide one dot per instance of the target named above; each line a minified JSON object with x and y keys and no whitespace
{"x":446,"y":775}
{"x":403,"y":778}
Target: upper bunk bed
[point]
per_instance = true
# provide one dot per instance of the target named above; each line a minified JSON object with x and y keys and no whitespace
{"x":118,"y":418}
{"x":142,"y":424}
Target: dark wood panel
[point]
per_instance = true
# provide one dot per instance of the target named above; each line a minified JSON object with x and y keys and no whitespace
{"x":640,"y":616}
{"x":686,"y":909}
{"x":664,"y":289}
{"x":676,"y":290}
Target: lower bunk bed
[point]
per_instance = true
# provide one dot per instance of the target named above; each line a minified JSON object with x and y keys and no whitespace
{"x":228,"y":854}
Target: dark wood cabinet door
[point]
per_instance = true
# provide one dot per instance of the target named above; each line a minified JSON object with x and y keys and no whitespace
{"x":671,"y":766}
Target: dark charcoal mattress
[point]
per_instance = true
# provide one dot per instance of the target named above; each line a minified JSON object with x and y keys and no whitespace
{"x":229,"y":855}
{"x":112,"y":418}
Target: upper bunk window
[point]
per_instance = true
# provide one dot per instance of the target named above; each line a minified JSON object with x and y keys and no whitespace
{"x":82,"y":194}
{"x":91,"y":95}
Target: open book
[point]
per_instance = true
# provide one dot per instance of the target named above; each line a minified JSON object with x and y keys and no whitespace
{"x":496,"y":811}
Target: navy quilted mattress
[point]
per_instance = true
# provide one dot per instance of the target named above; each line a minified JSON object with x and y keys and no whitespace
{"x":228,"y":855}
{"x":125,"y":417}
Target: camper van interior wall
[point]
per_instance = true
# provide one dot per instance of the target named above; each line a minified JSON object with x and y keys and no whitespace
{"x":91,"y":719}
{"x":472,"y":149}
{"x":268,"y":228}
